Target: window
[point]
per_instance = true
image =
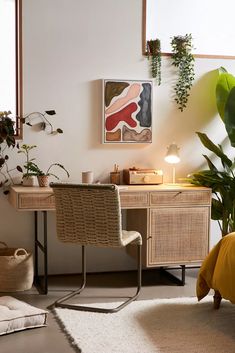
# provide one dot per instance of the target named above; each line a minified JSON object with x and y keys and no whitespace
{"x":11,"y":60}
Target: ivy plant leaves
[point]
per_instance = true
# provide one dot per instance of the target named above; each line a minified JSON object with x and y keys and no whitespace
{"x":154,"y":55}
{"x":183,"y":59}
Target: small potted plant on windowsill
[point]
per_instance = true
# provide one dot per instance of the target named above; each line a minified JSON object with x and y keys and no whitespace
{"x":32,"y":169}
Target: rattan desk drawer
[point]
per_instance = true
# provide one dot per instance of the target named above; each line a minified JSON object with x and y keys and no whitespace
{"x":138,"y":199}
{"x":181,"y":198}
{"x":36,"y":202}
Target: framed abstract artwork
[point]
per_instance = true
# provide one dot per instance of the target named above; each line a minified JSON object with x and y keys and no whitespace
{"x":127,"y":111}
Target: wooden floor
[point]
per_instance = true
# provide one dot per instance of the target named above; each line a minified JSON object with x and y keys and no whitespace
{"x":51,"y":339}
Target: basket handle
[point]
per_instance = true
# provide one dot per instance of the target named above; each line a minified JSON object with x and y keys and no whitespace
{"x":3,"y":243}
{"x":20,"y":249}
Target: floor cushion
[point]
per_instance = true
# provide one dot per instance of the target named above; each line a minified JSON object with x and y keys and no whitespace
{"x":16,"y":315}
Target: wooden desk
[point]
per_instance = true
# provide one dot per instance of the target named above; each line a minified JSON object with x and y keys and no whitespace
{"x":173,"y":220}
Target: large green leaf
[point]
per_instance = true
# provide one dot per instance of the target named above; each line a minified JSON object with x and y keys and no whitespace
{"x":222,"y":70}
{"x":216,"y":210}
{"x":229,"y":116}
{"x":210,"y":164}
{"x":224,"y":85}
{"x":213,"y":148}
{"x":207,"y":178}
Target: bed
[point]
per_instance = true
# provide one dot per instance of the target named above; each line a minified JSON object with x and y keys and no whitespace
{"x":218,"y":272}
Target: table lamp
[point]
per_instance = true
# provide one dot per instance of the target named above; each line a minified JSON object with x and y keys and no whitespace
{"x":172,"y":157}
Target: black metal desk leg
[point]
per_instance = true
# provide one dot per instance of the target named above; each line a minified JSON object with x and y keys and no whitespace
{"x":35,"y":245}
{"x":43,"y":289}
{"x":45,"y":251}
{"x":180,"y":282}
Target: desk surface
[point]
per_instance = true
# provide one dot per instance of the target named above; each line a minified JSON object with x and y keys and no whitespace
{"x":35,"y":198}
{"x":122,"y":188}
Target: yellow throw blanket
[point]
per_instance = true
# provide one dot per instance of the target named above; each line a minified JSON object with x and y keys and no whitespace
{"x":218,"y":270}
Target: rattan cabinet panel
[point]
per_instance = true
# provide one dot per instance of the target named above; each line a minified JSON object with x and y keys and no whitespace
{"x":181,"y":198}
{"x":178,"y":235}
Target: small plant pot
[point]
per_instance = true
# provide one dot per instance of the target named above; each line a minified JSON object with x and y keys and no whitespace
{"x":43,"y":180}
{"x":28,"y":181}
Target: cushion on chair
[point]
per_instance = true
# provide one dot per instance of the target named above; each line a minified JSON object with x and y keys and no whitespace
{"x":16,"y":315}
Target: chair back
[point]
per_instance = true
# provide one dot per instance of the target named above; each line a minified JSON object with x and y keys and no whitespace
{"x":88,"y":214}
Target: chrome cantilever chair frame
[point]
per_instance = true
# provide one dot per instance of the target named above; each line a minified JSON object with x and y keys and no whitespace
{"x":68,"y":199}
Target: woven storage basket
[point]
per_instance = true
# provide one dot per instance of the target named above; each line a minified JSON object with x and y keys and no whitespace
{"x":16,"y":269}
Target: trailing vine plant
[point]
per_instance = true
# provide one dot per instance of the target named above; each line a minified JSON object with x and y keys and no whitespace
{"x":44,"y":123}
{"x":183,"y":59}
{"x":154,"y":55}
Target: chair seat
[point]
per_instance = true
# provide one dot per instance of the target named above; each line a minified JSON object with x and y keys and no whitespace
{"x":131,"y":236}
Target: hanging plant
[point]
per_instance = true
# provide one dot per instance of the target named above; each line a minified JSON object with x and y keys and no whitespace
{"x":154,"y":55}
{"x":183,"y":59}
{"x":44,"y":123}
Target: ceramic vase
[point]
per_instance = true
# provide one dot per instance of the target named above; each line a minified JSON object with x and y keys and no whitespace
{"x":28,"y":181}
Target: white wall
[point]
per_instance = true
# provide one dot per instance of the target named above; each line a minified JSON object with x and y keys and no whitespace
{"x":68,"y":47}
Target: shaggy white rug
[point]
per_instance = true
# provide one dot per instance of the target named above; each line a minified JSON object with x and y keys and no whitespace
{"x":180,"y":325}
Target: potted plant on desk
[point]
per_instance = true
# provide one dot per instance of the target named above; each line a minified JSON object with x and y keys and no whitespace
{"x":32,"y":169}
{"x":28,"y":175}
{"x":43,"y":177}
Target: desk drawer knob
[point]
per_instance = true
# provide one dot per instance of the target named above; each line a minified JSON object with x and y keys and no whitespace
{"x":178,"y":193}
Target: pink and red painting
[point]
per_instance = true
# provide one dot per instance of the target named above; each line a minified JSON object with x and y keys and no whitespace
{"x":127,"y":111}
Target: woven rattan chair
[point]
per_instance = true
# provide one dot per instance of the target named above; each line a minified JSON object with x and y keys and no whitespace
{"x":91,"y":215}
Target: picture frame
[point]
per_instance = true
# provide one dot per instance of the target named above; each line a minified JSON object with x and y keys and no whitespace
{"x":127,"y":111}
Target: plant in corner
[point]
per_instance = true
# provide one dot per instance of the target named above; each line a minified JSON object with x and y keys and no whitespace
{"x":32,"y":169}
{"x":221,"y":179}
{"x":154,"y":55}
{"x":183,"y":59}
{"x":7,"y":141}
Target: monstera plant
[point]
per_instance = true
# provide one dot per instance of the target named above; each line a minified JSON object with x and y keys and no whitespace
{"x":221,"y":179}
